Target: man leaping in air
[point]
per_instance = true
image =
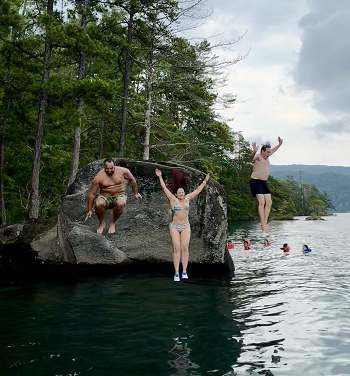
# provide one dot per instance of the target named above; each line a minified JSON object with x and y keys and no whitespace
{"x":258,"y":182}
{"x":112,"y":185}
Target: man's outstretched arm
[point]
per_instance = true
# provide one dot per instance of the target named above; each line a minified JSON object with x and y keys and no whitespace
{"x":280,"y":141}
{"x":132,"y":182}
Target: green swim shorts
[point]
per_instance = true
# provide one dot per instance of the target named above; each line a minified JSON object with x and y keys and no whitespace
{"x":111,"y":200}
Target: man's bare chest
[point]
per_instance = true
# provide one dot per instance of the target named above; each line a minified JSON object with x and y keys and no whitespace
{"x":262,"y":162}
{"x":108,"y":181}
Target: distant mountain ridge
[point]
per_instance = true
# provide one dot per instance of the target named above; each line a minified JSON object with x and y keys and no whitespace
{"x":335,"y":180}
{"x":317,"y":169}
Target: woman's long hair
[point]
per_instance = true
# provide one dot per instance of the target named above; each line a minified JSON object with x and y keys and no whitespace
{"x":179,"y":180}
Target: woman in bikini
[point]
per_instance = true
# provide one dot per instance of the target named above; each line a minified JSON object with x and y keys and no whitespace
{"x":180,"y":230}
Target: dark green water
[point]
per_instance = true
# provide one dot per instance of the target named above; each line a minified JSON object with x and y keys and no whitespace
{"x":287,"y":314}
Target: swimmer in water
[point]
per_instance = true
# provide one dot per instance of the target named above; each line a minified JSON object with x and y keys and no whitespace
{"x":306,"y":249}
{"x":230,"y":245}
{"x":285,"y":248}
{"x":247,"y":244}
{"x":266,"y":243}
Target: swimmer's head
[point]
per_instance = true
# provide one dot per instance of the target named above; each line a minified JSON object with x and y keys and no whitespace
{"x":229,"y":242}
{"x":305,"y":246}
{"x":285,"y":245}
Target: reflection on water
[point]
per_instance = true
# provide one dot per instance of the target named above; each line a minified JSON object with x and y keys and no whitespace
{"x":293,"y":307}
{"x":118,"y":325}
{"x":279,"y":315}
{"x":181,"y":361}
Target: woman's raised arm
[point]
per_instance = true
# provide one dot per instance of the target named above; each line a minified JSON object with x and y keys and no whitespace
{"x":165,"y":189}
{"x":197,"y":191}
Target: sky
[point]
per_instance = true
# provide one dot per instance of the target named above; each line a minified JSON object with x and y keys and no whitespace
{"x":295,"y":80}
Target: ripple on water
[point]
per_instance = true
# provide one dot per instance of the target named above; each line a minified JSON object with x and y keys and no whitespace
{"x":281,"y":315}
{"x":307,"y":296}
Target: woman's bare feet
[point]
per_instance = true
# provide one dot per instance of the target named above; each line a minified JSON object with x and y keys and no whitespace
{"x":102,"y":226}
{"x":265,"y":227}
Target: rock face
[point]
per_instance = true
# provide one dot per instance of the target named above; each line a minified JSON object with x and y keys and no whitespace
{"x":142,"y":231}
{"x":45,"y":245}
{"x":10,"y":234}
{"x":24,"y":248}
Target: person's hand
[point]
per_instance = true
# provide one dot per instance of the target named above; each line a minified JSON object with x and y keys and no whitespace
{"x":206,"y":178}
{"x":88,"y":215}
{"x":158,"y":173}
{"x":280,"y":141}
{"x":255,"y":147}
{"x":137,"y":195}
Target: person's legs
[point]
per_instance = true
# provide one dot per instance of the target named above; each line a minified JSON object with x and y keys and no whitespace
{"x":268,"y":204}
{"x":261,"y":210}
{"x":110,"y":215}
{"x":117,"y":211}
{"x":185,"y":240}
{"x":100,"y":208}
{"x":176,"y":239}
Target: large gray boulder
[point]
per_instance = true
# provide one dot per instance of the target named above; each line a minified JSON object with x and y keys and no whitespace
{"x":142,"y":231}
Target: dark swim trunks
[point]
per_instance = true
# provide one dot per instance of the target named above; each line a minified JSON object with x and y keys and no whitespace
{"x":259,"y":187}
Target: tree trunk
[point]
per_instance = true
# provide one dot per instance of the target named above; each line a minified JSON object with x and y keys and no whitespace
{"x":146,"y":144}
{"x":77,"y":129}
{"x":2,"y":164}
{"x":102,"y":131}
{"x":126,"y":87}
{"x":34,"y":184}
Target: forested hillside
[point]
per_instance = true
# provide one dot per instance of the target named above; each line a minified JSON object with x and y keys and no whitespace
{"x":84,"y":80}
{"x":336,"y":185}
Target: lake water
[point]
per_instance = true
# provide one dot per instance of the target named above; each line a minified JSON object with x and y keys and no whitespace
{"x":281,"y":315}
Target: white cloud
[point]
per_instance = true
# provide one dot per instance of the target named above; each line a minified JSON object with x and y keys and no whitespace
{"x":286,"y":85}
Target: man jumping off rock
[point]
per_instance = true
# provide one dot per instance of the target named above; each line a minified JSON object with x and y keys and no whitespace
{"x":258,"y":182}
{"x":112,"y":184}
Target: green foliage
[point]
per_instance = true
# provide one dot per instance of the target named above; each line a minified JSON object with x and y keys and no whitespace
{"x":290,"y":199}
{"x":185,"y":127}
{"x":335,"y":185}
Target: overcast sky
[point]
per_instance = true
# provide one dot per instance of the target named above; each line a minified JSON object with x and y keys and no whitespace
{"x":295,"y":82}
